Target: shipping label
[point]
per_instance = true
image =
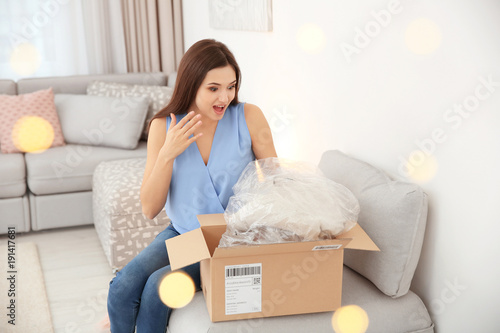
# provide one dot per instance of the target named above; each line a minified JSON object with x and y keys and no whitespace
{"x":243,"y":288}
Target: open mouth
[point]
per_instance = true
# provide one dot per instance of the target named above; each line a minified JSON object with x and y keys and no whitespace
{"x":219,"y":109}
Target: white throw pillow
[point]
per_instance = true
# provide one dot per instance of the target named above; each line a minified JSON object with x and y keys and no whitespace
{"x":393,"y":213}
{"x":102,"y":121}
{"x":159,"y":96}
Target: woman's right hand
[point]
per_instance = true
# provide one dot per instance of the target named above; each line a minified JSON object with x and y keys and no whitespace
{"x":178,"y":135}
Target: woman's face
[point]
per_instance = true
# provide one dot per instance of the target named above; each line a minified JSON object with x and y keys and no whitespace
{"x":215,"y":93}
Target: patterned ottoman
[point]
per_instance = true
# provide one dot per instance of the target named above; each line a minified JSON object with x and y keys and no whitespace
{"x":122,"y":228}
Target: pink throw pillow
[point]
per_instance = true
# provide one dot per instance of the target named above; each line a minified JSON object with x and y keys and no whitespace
{"x":29,"y":122}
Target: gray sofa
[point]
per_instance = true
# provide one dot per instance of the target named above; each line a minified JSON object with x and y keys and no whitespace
{"x":33,"y":196}
{"x":394,"y":214}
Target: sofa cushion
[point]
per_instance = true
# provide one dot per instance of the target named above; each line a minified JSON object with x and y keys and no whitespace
{"x":8,"y":87}
{"x":29,"y":122}
{"x":102,"y":121}
{"x":15,"y":212}
{"x":70,"y":168}
{"x":159,"y":96}
{"x":393,"y":213}
{"x":12,"y":175}
{"x":77,"y":84}
{"x":387,"y":315}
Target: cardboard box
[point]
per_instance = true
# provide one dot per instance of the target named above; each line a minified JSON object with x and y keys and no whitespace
{"x":265,"y":280}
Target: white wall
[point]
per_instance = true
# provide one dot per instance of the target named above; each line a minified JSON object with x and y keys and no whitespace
{"x":379,"y":106}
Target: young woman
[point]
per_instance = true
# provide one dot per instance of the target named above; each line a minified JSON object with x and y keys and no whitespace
{"x":198,"y":146}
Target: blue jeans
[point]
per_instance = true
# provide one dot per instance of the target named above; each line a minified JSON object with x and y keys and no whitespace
{"x":133,"y":294}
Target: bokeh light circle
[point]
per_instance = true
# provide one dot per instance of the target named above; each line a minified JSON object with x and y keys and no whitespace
{"x":421,"y":167}
{"x":176,"y":289}
{"x":25,"y":59}
{"x":32,"y":134}
{"x":350,"y":319}
{"x":311,"y":38}
{"x":423,"y":36}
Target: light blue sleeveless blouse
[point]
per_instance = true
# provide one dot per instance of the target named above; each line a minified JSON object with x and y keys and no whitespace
{"x":196,"y":188}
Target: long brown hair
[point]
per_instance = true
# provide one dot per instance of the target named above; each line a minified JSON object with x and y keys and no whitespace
{"x":202,"y":57}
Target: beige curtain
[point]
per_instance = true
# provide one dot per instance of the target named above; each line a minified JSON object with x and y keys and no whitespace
{"x":153,"y":35}
{"x":104,"y":36}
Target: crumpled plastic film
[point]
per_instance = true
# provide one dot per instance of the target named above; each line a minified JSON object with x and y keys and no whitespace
{"x":277,"y":200}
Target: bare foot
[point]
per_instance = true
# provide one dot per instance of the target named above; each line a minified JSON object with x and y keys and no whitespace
{"x":104,"y":325}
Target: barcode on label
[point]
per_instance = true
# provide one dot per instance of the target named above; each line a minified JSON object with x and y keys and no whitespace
{"x":242,"y":271}
{"x":327,"y":247}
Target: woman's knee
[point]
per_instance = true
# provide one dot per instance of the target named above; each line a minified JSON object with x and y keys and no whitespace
{"x":154,"y":280}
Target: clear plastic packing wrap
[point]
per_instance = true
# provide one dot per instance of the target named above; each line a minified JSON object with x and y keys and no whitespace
{"x":277,"y":200}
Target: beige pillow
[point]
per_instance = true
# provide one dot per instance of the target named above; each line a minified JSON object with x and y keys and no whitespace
{"x":102,"y":121}
{"x":159,"y":96}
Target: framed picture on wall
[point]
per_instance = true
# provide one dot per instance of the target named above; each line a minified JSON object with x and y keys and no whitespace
{"x":251,"y":15}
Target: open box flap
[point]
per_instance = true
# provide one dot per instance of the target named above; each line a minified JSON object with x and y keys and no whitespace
{"x":360,"y":239}
{"x":207,"y":220}
{"x":187,"y":249}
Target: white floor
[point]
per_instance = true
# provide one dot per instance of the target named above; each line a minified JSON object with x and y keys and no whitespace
{"x":77,"y":276}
